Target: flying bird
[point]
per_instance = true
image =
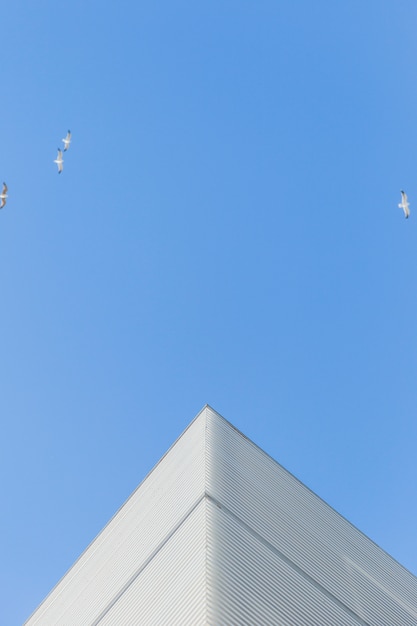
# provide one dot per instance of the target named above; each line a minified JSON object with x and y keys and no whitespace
{"x":67,"y":141}
{"x":59,"y":161}
{"x":404,"y":204}
{"x":3,"y":195}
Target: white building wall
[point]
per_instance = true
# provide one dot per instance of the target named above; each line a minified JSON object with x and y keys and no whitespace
{"x":220,"y":534}
{"x":171,"y":589}
{"x":154,"y":512}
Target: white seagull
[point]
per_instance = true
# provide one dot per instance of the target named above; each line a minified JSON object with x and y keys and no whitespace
{"x":404,"y":204}
{"x":59,"y":161}
{"x":67,"y":141}
{"x":3,"y":195}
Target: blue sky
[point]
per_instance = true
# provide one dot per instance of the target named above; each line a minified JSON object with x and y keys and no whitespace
{"x":225,"y":231}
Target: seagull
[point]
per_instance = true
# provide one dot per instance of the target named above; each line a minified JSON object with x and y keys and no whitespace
{"x":59,"y":161}
{"x":404,"y":205}
{"x":67,"y":141}
{"x":3,"y":195}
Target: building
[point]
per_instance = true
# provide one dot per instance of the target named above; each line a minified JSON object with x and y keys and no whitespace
{"x":220,"y":534}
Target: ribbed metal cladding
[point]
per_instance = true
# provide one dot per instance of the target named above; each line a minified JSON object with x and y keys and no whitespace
{"x":219,"y":534}
{"x":132,"y":537}
{"x":171,"y":589}
{"x":340,"y":566}
{"x":250,"y":583}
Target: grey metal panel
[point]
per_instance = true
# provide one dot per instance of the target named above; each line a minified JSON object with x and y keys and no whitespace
{"x":153,"y":511}
{"x":308,"y":533}
{"x":251,"y":583}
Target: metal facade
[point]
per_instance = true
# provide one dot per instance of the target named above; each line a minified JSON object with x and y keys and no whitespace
{"x":220,"y":534}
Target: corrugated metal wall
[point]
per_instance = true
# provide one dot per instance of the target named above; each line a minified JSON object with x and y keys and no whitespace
{"x":220,"y":534}
{"x":132,"y":538}
{"x":315,"y":556}
{"x":171,"y":589}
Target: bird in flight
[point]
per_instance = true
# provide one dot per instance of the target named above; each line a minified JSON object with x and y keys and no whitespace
{"x":67,"y":141}
{"x":59,"y":161}
{"x":3,"y":195}
{"x":404,"y":204}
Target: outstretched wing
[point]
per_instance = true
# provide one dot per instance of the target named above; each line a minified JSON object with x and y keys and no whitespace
{"x":59,"y":161}
{"x":67,"y":140}
{"x":405,"y":206}
{"x":3,"y":195}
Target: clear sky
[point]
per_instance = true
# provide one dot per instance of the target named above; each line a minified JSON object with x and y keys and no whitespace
{"x":226,"y":230}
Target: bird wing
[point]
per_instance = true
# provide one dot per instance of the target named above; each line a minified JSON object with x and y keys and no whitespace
{"x":405,"y":206}
{"x":59,"y":161}
{"x":4,"y":190}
